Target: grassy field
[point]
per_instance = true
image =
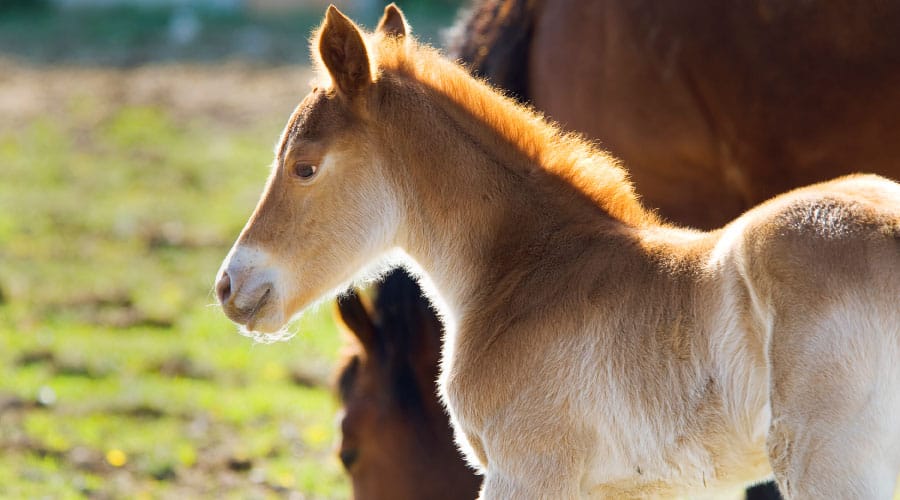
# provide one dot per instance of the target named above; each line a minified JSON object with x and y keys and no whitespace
{"x":120,"y":193}
{"x":134,"y":144}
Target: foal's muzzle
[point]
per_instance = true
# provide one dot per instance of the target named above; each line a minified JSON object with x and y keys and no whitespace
{"x":246,"y":289}
{"x":242,"y":307}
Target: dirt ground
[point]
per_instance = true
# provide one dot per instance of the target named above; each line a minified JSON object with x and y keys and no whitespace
{"x":234,"y":95}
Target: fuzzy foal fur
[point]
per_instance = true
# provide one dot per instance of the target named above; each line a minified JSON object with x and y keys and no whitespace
{"x":592,"y":350}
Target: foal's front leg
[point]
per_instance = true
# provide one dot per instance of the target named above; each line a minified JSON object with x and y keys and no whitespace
{"x":543,"y":484}
{"x":532,"y":461}
{"x":499,"y":486}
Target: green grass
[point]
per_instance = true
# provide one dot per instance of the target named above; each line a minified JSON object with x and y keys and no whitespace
{"x":117,"y":377}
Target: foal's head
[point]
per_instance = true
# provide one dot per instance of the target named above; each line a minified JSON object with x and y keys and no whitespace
{"x":370,"y":149}
{"x":327,"y":208}
{"x":396,"y":440}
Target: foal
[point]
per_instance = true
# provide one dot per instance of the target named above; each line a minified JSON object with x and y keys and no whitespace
{"x":591,"y":349}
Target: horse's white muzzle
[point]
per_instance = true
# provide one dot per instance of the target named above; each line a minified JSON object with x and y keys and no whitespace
{"x":247,"y":288}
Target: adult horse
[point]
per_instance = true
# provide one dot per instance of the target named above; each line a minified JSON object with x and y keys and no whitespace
{"x":592,"y":349}
{"x":714,"y":106}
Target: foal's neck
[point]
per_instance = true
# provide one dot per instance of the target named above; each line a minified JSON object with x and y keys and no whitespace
{"x":481,"y":207}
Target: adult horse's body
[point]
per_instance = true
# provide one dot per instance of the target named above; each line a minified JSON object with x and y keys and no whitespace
{"x":714,"y":106}
{"x":592,"y":350}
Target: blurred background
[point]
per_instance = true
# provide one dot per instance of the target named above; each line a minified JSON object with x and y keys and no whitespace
{"x":135,"y":137}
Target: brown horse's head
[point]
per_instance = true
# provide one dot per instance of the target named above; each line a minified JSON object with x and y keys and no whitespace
{"x":396,"y":439}
{"x":328,"y":208}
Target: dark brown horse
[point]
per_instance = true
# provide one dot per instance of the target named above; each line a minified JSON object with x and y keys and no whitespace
{"x":396,"y":440}
{"x":712,"y":106}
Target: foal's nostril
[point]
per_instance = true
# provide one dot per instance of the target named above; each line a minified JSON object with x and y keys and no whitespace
{"x":223,"y":288}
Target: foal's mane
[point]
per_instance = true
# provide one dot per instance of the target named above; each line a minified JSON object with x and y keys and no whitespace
{"x":566,"y":155}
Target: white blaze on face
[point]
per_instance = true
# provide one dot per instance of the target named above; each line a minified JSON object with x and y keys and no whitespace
{"x":254,"y":293}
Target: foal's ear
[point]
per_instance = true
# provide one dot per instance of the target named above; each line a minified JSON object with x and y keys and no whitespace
{"x":355,"y":315}
{"x":343,"y":51}
{"x":393,"y":22}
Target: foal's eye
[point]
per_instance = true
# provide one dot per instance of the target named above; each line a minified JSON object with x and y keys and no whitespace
{"x":305,"y":171}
